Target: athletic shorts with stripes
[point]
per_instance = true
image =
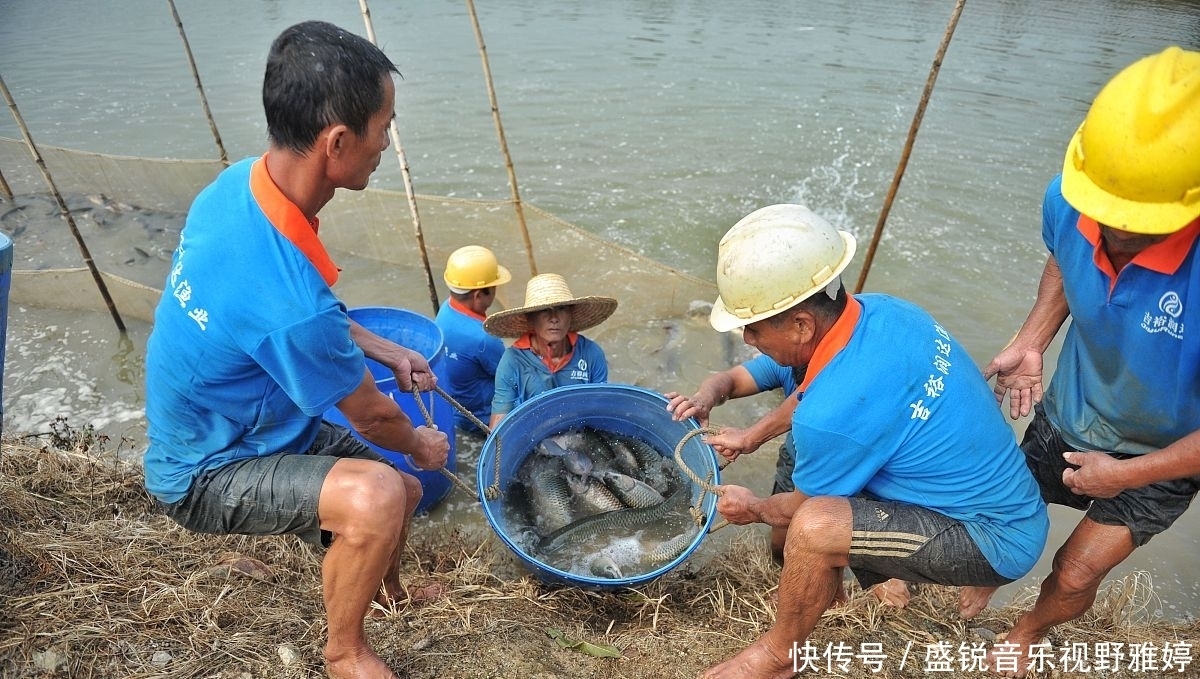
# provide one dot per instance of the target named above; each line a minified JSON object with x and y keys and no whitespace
{"x":915,"y":544}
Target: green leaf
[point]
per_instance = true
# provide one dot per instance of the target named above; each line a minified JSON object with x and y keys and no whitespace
{"x":586,"y":647}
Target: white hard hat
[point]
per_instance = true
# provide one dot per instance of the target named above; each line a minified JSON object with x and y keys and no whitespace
{"x":773,"y":259}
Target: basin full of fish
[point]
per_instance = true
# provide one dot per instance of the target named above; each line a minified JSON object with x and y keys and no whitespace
{"x":600,"y":504}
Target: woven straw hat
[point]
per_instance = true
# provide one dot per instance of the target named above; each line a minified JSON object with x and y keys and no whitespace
{"x":545,"y":291}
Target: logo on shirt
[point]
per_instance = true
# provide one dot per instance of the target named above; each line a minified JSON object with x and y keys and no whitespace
{"x":1171,"y":307}
{"x":580,"y":373}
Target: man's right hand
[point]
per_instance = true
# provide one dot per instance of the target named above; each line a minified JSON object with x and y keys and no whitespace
{"x":433,"y":450}
{"x":1018,"y":374}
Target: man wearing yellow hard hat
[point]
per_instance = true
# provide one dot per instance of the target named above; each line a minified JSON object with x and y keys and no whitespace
{"x":472,"y":275}
{"x":1121,"y":224}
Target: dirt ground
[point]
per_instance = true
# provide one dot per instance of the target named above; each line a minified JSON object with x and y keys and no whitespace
{"x":95,"y":582}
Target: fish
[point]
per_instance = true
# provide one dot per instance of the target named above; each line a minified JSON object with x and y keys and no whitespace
{"x":548,"y":495}
{"x":631,"y":491}
{"x":574,"y":461}
{"x":603,"y":566}
{"x":592,"y":496}
{"x":587,"y":528}
{"x":621,"y":455}
{"x":669,"y":550}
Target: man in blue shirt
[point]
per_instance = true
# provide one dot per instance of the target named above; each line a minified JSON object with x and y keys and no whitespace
{"x":250,"y":347}
{"x":472,"y":274}
{"x":904,"y":467}
{"x":1121,"y":223}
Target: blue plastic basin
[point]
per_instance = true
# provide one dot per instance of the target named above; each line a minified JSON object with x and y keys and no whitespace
{"x":621,"y":409}
{"x":421,"y":334}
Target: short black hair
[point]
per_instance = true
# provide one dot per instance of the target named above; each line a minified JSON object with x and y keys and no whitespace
{"x":318,"y":75}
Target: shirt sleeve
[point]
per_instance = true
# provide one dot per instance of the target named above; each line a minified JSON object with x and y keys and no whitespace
{"x":315,"y":362}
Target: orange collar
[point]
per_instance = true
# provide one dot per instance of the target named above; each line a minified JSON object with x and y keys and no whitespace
{"x":834,"y":341}
{"x":1165,"y":256}
{"x":526,"y":342}
{"x":465,"y":310}
{"x":289,"y":221}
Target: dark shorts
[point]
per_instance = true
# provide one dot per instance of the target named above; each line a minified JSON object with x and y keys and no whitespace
{"x":272,"y":495}
{"x":784,"y":465}
{"x":1145,"y":511}
{"x":915,"y":544}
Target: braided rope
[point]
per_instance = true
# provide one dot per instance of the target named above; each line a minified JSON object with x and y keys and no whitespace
{"x":705,"y":484}
{"x":416,"y":391}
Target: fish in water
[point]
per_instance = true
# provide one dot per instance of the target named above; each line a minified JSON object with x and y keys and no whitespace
{"x":592,"y":496}
{"x":547,"y":493}
{"x":573,"y":460}
{"x":603,"y":566}
{"x":586,"y":529}
{"x":669,"y":550}
{"x":632,"y":492}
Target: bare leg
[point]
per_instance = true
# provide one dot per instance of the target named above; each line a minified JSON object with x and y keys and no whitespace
{"x":391,"y":593}
{"x":818,"y":547}
{"x":972,"y":600}
{"x":363,"y":504}
{"x":1080,"y":565}
{"x":778,"y":538}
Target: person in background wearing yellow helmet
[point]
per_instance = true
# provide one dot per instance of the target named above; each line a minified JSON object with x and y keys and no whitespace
{"x":904,"y":468}
{"x":1121,"y":223}
{"x":548,"y":350}
{"x":472,"y":274}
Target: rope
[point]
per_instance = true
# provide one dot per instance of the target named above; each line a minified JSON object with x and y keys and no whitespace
{"x":416,"y":391}
{"x":705,"y":484}
{"x":492,"y":492}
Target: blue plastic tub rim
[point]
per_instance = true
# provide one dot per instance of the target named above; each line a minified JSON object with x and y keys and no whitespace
{"x":535,"y":419}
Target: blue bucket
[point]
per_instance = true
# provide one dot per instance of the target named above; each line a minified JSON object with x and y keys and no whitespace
{"x":416,"y":332}
{"x":6,"y":261}
{"x":617,"y":408}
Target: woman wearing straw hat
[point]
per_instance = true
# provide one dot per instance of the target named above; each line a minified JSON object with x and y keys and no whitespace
{"x":548,"y":350}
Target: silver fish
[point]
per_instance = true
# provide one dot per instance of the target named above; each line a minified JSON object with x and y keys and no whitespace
{"x":547,"y":493}
{"x":573,"y":460}
{"x":592,"y":496}
{"x":604,"y":567}
{"x":632,"y":492}
{"x":585,"y":529}
{"x":670,"y":550}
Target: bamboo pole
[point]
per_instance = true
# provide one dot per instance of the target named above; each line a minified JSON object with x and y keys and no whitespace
{"x":908,"y":144}
{"x":5,"y":189}
{"x":62,"y":207}
{"x":212,"y":124}
{"x":508,"y":164}
{"x":394,"y":132}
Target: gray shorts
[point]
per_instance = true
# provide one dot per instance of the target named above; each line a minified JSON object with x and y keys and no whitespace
{"x":272,"y":495}
{"x":1145,"y":511}
{"x":915,"y":544}
{"x":784,"y":465}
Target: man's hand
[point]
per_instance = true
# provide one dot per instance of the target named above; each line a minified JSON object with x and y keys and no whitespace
{"x":433,"y":450}
{"x":731,"y":442}
{"x":410,"y":367}
{"x":1018,"y":374}
{"x":1098,"y":474}
{"x":738,"y":505}
{"x":682,"y":407}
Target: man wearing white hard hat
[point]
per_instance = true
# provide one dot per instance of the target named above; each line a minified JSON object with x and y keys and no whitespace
{"x":1121,"y":223}
{"x":904,"y":467}
{"x":472,"y":355}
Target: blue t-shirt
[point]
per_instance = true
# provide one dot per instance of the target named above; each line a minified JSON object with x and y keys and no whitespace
{"x":521,"y":375}
{"x":472,"y":358}
{"x":1128,"y":378}
{"x":902,"y":413}
{"x":249,"y":347}
{"x":768,"y":374}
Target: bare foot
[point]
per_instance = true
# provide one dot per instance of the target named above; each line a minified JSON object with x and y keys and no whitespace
{"x":839,"y":597}
{"x":893,"y":592}
{"x":757,"y":661}
{"x":972,"y":600}
{"x":359,"y":663}
{"x":386,"y":604}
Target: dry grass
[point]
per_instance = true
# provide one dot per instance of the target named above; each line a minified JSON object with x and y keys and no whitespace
{"x":94,"y":582}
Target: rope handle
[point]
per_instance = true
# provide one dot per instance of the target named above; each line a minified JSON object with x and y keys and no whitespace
{"x":416,"y":392}
{"x":705,"y":484}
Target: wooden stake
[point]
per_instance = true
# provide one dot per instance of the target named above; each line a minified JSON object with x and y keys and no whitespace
{"x":908,"y":144}
{"x":62,"y":207}
{"x":394,"y":131}
{"x":5,"y":189}
{"x":212,"y":124}
{"x":508,"y":164}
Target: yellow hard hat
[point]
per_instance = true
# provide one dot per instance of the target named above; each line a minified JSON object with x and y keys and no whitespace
{"x":472,"y":267}
{"x":1134,"y":163}
{"x":773,"y":259}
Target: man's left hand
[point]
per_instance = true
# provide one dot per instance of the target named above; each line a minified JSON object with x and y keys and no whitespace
{"x":1097,"y":474}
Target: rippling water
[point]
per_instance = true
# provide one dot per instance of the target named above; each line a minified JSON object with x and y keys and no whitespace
{"x":653,"y":123}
